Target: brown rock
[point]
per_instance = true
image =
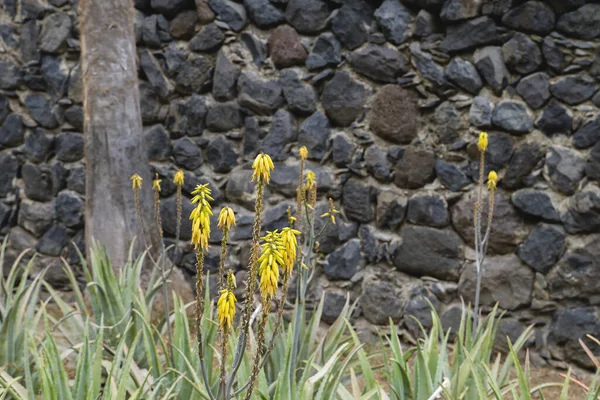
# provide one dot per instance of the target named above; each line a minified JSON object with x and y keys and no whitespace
{"x":183,"y":25}
{"x":285,"y":48}
{"x":394,"y":115}
{"x":415,"y":169}
{"x":508,"y":230}
{"x":505,"y":280}
{"x":204,"y":12}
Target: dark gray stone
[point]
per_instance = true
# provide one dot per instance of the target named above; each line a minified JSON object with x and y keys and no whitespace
{"x":260,"y":96}
{"x":307,"y":16}
{"x":429,"y":251}
{"x":12,"y":133}
{"x":588,"y":134}
{"x":329,"y":240}
{"x":74,"y":116}
{"x":384,"y":290}
{"x":225,"y":78}
{"x":522,"y":163}
{"x":187,"y":155}
{"x":451,"y":176}
{"x":333,"y":304}
{"x":394,"y":20}
{"x":55,"y":75}
{"x":490,"y":64}
{"x":449,"y":122}
{"x":555,"y":119}
{"x":344,"y":262}
{"x":480,"y":113}
{"x":252,"y":135}
{"x":263,"y":13}
{"x":4,"y":107}
{"x":283,"y":132}
{"x":348,"y":24}
{"x":415,"y":169}
{"x":150,"y":35}
{"x":357,"y":198}
{"x":69,"y":147}
{"x":169,"y":8}
{"x":40,"y":109}
{"x":391,"y":209}
{"x":76,"y":180}
{"x":154,"y":73}
{"x":233,"y":14}
{"x":424,"y":24}
{"x":458,"y":10}
{"x":187,"y":117}
{"x":535,"y":89}
{"x":418,"y":314}
{"x":343,"y":99}
{"x":592,"y":169}
{"x":35,"y":217}
{"x":256,"y":47}
{"x":565,"y":168}
{"x":464,"y":75}
{"x":469,"y":34}
{"x":343,"y":150}
{"x":285,"y":48}
{"x":158,"y":143}
{"x":583,"y":23}
{"x":209,"y":39}
{"x":221,"y":155}
{"x":41,"y":183}
{"x":379,"y":63}
{"x":69,"y":209}
{"x":513,"y":117}
{"x":300,"y":97}
{"x":28,"y":41}
{"x":429,"y":209}
{"x":224,"y":117}
{"x":543,"y":247}
{"x":56,"y":29}
{"x":581,"y":212}
{"x":183,"y":25}
{"x":521,"y":54}
{"x":10,"y":74}
{"x":505,"y":280}
{"x":427,"y":67}
{"x":8,"y":171}
{"x":194,"y":75}
{"x":377,"y":163}
{"x":53,"y":241}
{"x":532,"y":16}
{"x":554,"y":55}
{"x":535,"y":203}
{"x":314,"y":133}
{"x":570,"y":325}
{"x":326,"y":52}
{"x":38,"y":145}
{"x":574,"y":89}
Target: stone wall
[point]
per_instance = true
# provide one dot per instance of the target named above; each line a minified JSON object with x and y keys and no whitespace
{"x":388,"y":97}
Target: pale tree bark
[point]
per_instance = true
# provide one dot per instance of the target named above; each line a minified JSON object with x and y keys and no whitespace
{"x":114,"y":146}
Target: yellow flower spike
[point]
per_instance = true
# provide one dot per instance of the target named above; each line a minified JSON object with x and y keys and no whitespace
{"x":179,"y":177}
{"x":492,"y":181}
{"x":226,"y":218}
{"x":200,"y":216}
{"x":482,"y":143}
{"x":136,"y":182}
{"x":226,"y":308}
{"x":303,"y":152}
{"x":262,"y":166}
{"x":311,"y":178}
{"x":156,"y":184}
{"x":290,"y":243}
{"x":270,"y":260}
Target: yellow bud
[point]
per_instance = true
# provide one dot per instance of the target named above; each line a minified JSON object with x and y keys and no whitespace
{"x":226,"y":218}
{"x":492,"y":180}
{"x":262,"y":166}
{"x":311,"y":178}
{"x":303,"y":152}
{"x":156,"y":184}
{"x":178,"y":179}
{"x":136,"y":181}
{"x":482,"y":144}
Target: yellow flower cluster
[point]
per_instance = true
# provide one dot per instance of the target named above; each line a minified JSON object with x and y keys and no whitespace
{"x":226,"y":218}
{"x":482,"y":143}
{"x":492,"y":181}
{"x":136,"y":182}
{"x":311,"y":178}
{"x":270,"y":260}
{"x":200,"y":216}
{"x":226,"y":307}
{"x":262,"y":166}
{"x":178,"y":179}
{"x":290,"y":244}
{"x":303,"y":152}
{"x":156,"y":184}
{"x":331,"y":212}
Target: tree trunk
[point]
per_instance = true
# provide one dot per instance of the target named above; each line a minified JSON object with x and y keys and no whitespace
{"x":114,"y":146}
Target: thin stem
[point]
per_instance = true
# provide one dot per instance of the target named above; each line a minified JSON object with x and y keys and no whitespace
{"x":478,"y":244}
{"x":221,"y":280}
{"x":199,"y":314}
{"x":178,"y":223}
